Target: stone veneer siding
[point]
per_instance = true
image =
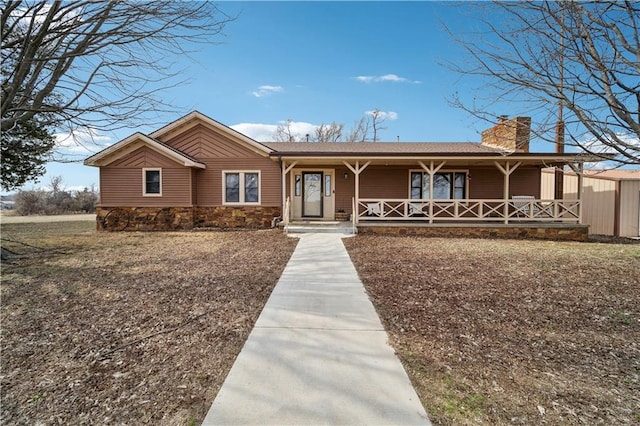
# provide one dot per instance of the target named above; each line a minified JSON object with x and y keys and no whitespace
{"x":183,"y":218}
{"x":235,"y":217}
{"x":564,"y":233}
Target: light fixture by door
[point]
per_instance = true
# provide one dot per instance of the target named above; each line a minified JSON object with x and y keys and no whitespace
{"x":346,"y":175}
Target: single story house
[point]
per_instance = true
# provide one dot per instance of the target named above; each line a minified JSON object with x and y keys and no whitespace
{"x":610,"y":199}
{"x":197,"y":172}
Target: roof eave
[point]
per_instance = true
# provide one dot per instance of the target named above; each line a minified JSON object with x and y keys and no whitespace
{"x":96,"y":160}
{"x":419,"y":156}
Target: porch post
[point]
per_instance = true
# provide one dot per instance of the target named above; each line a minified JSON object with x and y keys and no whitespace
{"x":285,"y":169}
{"x":506,"y":171}
{"x":431,"y":171}
{"x":356,"y":172}
{"x":357,"y":191}
{"x":579,"y":171}
{"x":283,"y":166}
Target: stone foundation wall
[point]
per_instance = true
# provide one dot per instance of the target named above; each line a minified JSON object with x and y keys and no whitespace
{"x":254,"y":217}
{"x":183,"y":218}
{"x":573,"y":233}
{"x":144,"y":218}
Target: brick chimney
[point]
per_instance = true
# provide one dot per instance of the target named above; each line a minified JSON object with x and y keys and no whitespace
{"x":510,"y":135}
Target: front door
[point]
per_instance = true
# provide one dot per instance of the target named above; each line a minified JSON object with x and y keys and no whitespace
{"x":312,"y":194}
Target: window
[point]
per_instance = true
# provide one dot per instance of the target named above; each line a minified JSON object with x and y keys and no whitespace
{"x":446,"y":185}
{"x":152,"y":182}
{"x":327,"y":185}
{"x":298,"y":185}
{"x":241,"y":187}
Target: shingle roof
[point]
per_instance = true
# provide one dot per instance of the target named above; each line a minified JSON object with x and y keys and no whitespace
{"x":391,"y":148}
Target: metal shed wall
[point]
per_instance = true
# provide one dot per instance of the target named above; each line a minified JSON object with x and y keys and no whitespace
{"x":598,"y":200}
{"x":629,"y":208}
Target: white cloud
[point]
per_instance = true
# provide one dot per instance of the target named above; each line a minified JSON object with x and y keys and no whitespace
{"x":84,"y":141}
{"x":267,"y":90}
{"x":302,"y":128}
{"x":257,"y":131}
{"x":394,"y":78}
{"x":265,"y":132}
{"x":594,"y":145}
{"x":384,"y":115}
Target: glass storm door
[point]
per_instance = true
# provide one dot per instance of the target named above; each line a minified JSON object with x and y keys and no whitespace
{"x":312,"y":194}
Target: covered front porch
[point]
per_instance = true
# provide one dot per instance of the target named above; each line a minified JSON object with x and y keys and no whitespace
{"x":471,"y":191}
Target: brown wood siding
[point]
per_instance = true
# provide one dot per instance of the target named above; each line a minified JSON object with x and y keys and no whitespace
{"x":384,"y":182}
{"x":218,"y":153}
{"x":209,"y":184}
{"x":123,"y":187}
{"x":144,"y":157}
{"x":202,"y":142}
{"x":484,"y":183}
{"x":525,"y":181}
{"x":488,"y":182}
{"x":345,"y":189}
{"x":194,"y":186}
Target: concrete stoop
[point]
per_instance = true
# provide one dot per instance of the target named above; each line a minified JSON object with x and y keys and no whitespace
{"x":317,"y":227}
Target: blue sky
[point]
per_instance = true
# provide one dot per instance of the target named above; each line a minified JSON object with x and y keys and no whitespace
{"x":318,"y":62}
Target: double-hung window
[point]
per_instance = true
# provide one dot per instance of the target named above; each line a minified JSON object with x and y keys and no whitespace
{"x":152,"y":182}
{"x":240,"y":187}
{"x":446,"y":185}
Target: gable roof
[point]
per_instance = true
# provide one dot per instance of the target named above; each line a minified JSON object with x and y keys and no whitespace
{"x":196,"y":117}
{"x":317,"y":150}
{"x":135,"y":141}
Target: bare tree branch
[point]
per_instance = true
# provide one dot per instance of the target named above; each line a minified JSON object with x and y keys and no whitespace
{"x":580,"y":57}
{"x":94,"y":63}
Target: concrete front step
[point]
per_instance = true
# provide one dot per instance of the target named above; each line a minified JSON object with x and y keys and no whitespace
{"x":312,"y":227}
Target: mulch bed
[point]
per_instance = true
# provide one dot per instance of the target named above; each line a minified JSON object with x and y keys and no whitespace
{"x":511,"y":332}
{"x":127,"y":328}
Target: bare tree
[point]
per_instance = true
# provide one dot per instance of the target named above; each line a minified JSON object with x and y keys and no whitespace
{"x":574,"y":66}
{"x":378,"y":118}
{"x":360,"y":130}
{"x":284,"y":132}
{"x":328,"y":132}
{"x":96,"y":65}
{"x":334,"y":132}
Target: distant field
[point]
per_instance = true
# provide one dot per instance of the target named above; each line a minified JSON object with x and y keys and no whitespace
{"x":9,"y":218}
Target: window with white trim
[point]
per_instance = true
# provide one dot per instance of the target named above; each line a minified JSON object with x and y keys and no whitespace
{"x":152,"y":182}
{"x":241,"y":187}
{"x":446,"y":185}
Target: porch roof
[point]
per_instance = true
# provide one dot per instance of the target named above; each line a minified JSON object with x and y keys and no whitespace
{"x":397,"y":152}
{"x":378,"y":148}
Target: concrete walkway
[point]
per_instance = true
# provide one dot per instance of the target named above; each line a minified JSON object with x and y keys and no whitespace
{"x":318,"y":353}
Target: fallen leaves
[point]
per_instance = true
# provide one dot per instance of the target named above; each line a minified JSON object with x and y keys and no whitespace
{"x":128,"y":328}
{"x":527,"y":330}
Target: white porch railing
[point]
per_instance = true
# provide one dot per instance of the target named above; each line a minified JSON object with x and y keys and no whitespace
{"x":506,"y":211}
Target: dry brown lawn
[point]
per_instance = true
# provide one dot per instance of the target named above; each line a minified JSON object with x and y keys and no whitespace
{"x":126,"y":328}
{"x":511,"y":332}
